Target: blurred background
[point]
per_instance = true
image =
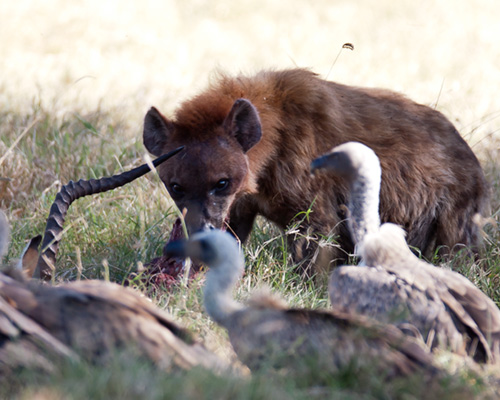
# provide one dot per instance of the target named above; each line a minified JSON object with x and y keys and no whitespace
{"x":128,"y":55}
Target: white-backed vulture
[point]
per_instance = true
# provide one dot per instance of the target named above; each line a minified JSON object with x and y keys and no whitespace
{"x":391,"y":283}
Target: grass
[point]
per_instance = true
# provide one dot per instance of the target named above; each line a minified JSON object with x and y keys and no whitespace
{"x":77,"y":81}
{"x":121,"y":229}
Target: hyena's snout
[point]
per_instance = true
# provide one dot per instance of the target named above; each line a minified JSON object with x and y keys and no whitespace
{"x":200,"y":218}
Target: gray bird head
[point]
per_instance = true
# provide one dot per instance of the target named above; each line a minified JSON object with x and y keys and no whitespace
{"x":214,"y":248}
{"x":349,"y":160}
{"x":221,"y":253}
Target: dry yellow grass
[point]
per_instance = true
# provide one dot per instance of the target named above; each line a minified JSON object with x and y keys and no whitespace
{"x":133,"y":54}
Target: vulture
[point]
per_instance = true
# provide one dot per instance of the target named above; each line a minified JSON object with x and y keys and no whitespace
{"x":392,"y":284}
{"x":88,"y":320}
{"x":266,"y":333}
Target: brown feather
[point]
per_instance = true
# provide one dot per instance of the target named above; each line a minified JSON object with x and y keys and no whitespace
{"x":473,"y":314}
{"x":276,"y":337}
{"x":95,"y":318}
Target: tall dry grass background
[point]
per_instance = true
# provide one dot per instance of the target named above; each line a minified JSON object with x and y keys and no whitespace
{"x":76,"y":79}
{"x":131,"y":54}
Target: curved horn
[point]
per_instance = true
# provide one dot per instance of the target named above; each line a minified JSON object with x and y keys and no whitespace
{"x":67,"y":195}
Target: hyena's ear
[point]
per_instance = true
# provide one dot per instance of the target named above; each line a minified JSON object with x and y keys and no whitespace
{"x":157,"y":130}
{"x":243,"y":123}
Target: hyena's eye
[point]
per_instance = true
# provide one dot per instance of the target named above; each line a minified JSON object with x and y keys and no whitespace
{"x":221,"y":185}
{"x":176,"y":189}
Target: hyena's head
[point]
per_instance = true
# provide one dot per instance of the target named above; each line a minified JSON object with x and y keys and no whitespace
{"x":213,"y":169}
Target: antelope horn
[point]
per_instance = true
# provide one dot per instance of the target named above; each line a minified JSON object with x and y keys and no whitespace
{"x":67,"y":195}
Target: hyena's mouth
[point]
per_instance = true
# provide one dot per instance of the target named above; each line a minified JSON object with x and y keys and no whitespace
{"x":166,"y":271}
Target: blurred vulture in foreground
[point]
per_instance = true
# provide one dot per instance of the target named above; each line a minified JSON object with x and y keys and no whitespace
{"x":392,"y":284}
{"x":88,"y":319}
{"x":267,"y":333}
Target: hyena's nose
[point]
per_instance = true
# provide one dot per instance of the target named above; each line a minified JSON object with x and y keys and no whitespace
{"x":208,"y":227}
